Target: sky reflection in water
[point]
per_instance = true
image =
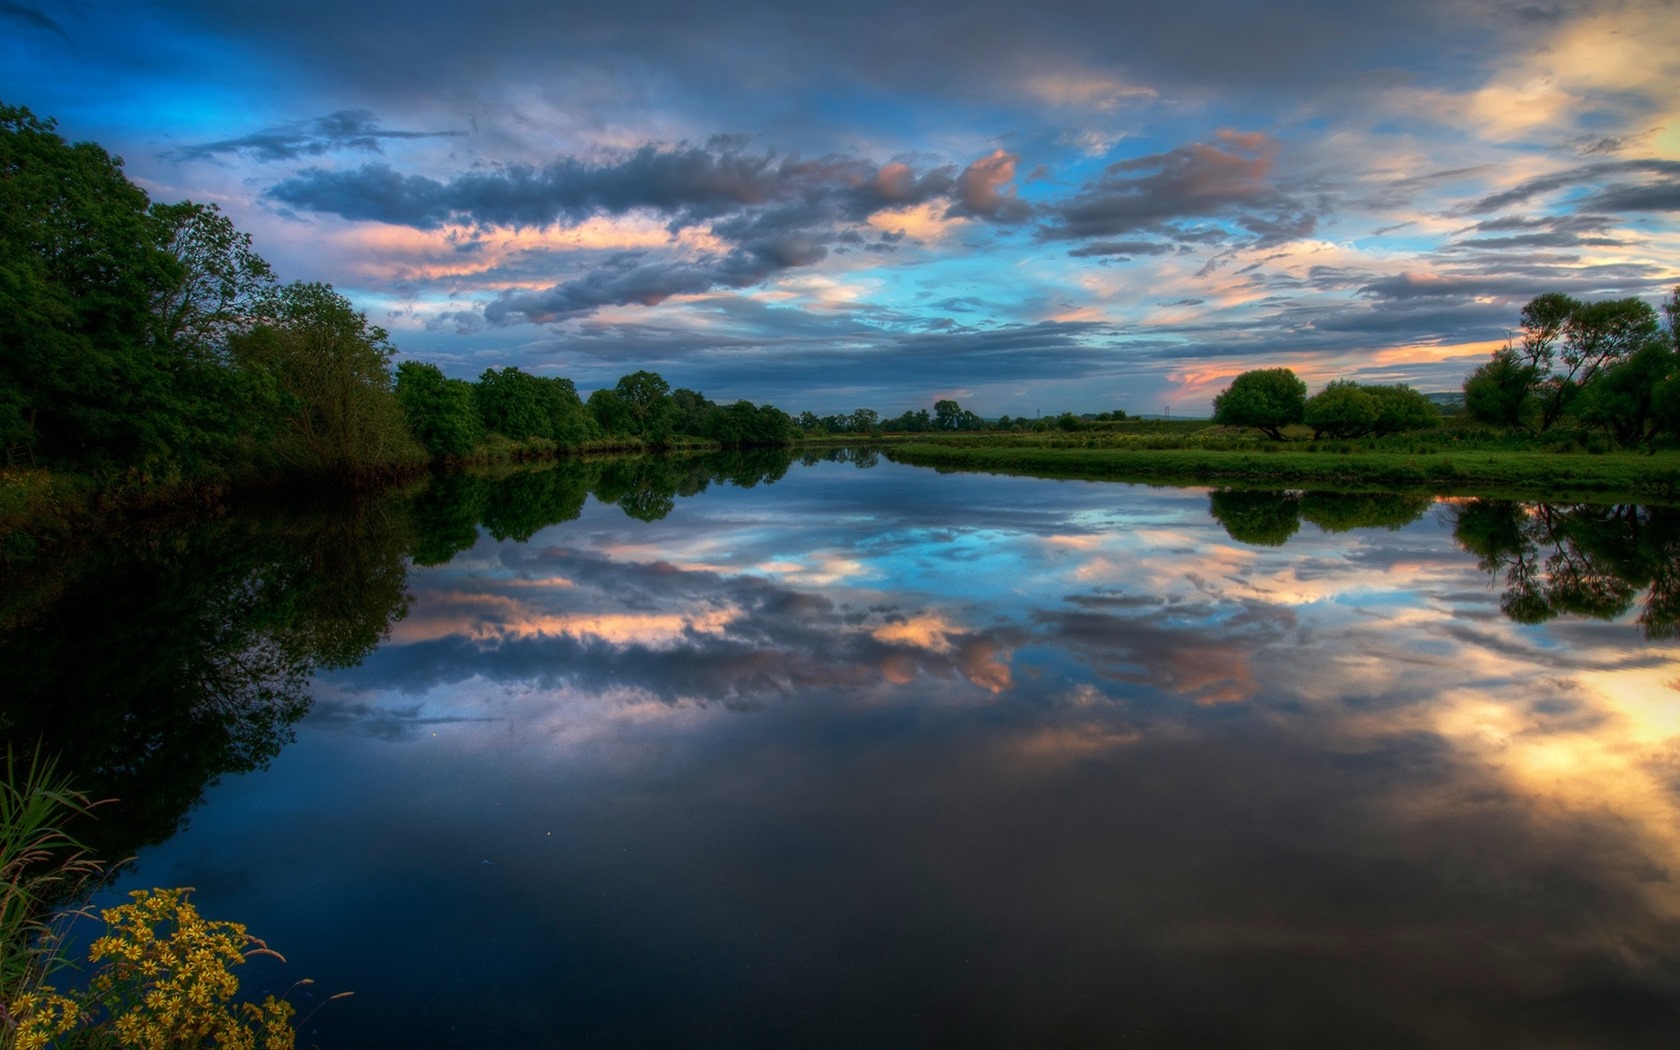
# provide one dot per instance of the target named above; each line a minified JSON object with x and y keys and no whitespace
{"x":886,"y":757}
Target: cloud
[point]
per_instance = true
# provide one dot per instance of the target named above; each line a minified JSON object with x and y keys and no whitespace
{"x":31,"y":17}
{"x":1655,"y":193}
{"x":1095,"y":91}
{"x":347,"y":129}
{"x":1230,"y":179}
{"x":1124,"y":249}
{"x":687,"y":185}
{"x":631,"y":281}
{"x":983,"y":189}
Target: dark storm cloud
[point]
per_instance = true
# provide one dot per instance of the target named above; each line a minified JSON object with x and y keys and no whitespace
{"x":353,"y":129}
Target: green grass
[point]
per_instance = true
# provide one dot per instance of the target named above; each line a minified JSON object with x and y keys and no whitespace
{"x":1651,"y":477}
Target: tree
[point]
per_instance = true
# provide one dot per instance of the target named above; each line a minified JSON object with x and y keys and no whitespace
{"x":646,"y":396}
{"x":1565,"y":345}
{"x":1501,"y":392}
{"x":333,"y":369}
{"x":1624,"y":400}
{"x":689,"y":410}
{"x":1400,"y":408}
{"x":80,"y":269}
{"x":947,"y":415}
{"x":1267,"y":399}
{"x":221,"y":286}
{"x":1341,"y":410}
{"x":439,"y":410}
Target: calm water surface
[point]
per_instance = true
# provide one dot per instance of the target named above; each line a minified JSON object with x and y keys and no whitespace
{"x":884,"y":757}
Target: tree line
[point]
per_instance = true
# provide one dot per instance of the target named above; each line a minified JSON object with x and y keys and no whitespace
{"x":947,"y":417}
{"x":151,"y":341}
{"x":1610,"y":366}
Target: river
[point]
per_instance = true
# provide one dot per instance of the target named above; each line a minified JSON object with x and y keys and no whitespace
{"x":841,"y":753}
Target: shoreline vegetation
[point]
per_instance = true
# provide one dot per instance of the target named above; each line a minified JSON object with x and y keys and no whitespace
{"x":151,"y":362}
{"x":1615,"y":476}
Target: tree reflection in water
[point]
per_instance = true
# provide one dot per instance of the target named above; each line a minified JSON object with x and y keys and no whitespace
{"x":170,"y":660}
{"x":1593,"y":560}
{"x":160,"y":663}
{"x":1585,"y":559}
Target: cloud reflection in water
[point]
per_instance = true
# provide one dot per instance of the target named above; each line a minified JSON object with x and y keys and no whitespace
{"x":1045,"y":761}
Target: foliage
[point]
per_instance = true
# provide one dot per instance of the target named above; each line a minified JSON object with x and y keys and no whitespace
{"x":80,"y":269}
{"x":147,"y":340}
{"x":1501,"y":392}
{"x":40,"y":865}
{"x":332,"y":371}
{"x":164,"y":980}
{"x":1267,"y":399}
{"x":1346,"y":409}
{"x":1400,"y":409}
{"x":1566,"y":349}
{"x":1341,"y":410}
{"x":440,"y":412}
{"x":520,"y":405}
{"x":1629,"y":398}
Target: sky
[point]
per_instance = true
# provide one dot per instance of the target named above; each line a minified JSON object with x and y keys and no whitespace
{"x":1045,"y":207}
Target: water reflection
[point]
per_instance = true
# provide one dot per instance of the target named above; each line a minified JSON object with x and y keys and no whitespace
{"x":1595,"y":560}
{"x":163,"y":663}
{"x":887,"y":757}
{"x":1583,"y":560}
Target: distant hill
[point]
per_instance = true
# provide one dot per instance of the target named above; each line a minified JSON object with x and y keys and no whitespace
{"x":1448,"y":402}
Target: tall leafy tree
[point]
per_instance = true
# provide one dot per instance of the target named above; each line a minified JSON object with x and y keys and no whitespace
{"x":332,"y":370}
{"x":80,"y":270}
{"x":439,"y":411}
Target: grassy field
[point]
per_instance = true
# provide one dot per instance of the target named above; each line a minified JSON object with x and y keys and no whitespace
{"x":1442,"y":462}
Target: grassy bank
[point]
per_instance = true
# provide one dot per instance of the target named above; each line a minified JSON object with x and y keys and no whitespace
{"x":1648,"y":477}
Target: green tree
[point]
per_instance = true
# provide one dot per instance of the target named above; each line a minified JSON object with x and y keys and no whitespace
{"x":947,"y":415}
{"x":611,"y":412}
{"x":220,"y":286}
{"x":1267,"y":399}
{"x":689,"y":410}
{"x":647,"y":398}
{"x":80,"y":271}
{"x":439,"y":411}
{"x":333,"y":370}
{"x":1341,"y":410}
{"x":1624,"y":399}
{"x":1501,"y":391}
{"x":1400,"y":408}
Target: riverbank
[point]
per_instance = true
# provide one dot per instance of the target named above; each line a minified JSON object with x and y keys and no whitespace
{"x":1646,"y":477}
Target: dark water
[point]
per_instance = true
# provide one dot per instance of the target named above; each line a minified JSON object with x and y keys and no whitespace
{"x":737,"y":753}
